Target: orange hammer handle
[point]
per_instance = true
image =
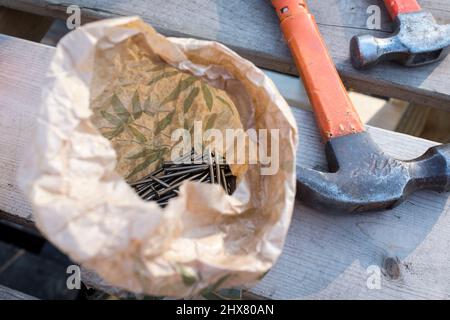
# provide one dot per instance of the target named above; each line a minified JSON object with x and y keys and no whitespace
{"x":335,"y":114}
{"x":396,"y":7}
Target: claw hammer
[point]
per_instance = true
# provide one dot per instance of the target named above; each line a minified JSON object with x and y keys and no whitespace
{"x":362,"y":177}
{"x":417,"y":40}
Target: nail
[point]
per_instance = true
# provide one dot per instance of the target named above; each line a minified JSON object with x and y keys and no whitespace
{"x":232,"y":182}
{"x":144,"y":188}
{"x":172,"y":183}
{"x":224,"y":180}
{"x":188,"y":167}
{"x":151,"y":174}
{"x":160,"y":181}
{"x":217,"y":168}
{"x":149,"y":192}
{"x":200,"y":156}
{"x":162,"y":184}
{"x":142,"y":182}
{"x":186,"y":156}
{"x":167,"y":197}
{"x":179,"y":183}
{"x":140,"y":187}
{"x":176,"y":174}
{"x":211,"y":168}
{"x":147,"y":178}
{"x":204,"y":177}
{"x":202,"y":168}
{"x":180,"y":159}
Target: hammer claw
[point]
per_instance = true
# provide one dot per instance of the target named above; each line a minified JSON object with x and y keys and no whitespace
{"x":417,"y":40}
{"x":431,"y":170}
{"x":364,"y":178}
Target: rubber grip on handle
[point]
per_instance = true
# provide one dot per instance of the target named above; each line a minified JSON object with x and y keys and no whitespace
{"x":335,"y":114}
{"x":396,"y":7}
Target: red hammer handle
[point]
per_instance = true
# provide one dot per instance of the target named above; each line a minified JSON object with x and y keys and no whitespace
{"x":396,"y":7}
{"x":334,"y":112}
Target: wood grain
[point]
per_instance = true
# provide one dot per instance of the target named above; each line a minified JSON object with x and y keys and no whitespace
{"x":414,"y":120}
{"x":251,"y":28}
{"x":326,"y":255}
{"x":23,"y":65}
{"x":10,"y":294}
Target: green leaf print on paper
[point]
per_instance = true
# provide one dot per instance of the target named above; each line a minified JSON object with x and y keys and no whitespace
{"x":190,"y":99}
{"x":138,"y":118}
{"x":111,"y":118}
{"x":225,"y":102}
{"x":136,"y":104}
{"x":147,"y":162}
{"x":120,"y":109}
{"x":112,"y":134}
{"x":143,"y":154}
{"x":162,"y":76}
{"x":211,"y":121}
{"x":162,"y":124}
{"x":182,"y":85}
{"x":148,"y":106}
{"x":207,"y":95}
{"x":137,"y":134}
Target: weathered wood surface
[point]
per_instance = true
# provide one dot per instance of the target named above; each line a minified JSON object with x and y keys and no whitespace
{"x":251,"y":28}
{"x":23,"y":65}
{"x":325,"y":256}
{"x":10,"y":294}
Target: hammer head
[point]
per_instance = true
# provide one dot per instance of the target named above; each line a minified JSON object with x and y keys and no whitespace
{"x":418,"y":40}
{"x":364,"y":178}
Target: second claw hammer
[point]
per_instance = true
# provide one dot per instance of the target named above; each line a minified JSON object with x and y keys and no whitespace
{"x":362,"y":177}
{"x":417,"y":40}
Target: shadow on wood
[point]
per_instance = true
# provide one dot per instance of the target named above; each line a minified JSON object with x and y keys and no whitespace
{"x":327,"y":255}
{"x":23,"y":24}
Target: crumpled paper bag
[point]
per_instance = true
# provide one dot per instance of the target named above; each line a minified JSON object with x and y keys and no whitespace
{"x":76,"y":171}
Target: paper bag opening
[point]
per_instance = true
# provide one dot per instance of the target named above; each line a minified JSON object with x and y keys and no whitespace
{"x":116,"y":91}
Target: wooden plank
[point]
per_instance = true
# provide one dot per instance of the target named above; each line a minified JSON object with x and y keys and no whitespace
{"x":251,"y":28}
{"x":24,"y":25}
{"x":414,"y":120}
{"x":426,"y":122}
{"x":290,"y":88}
{"x":10,"y":294}
{"x":326,"y":255}
{"x":437,"y":126}
{"x":23,"y":65}
{"x":389,"y":115}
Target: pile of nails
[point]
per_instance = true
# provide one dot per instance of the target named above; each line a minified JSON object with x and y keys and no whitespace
{"x":164,"y":183}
